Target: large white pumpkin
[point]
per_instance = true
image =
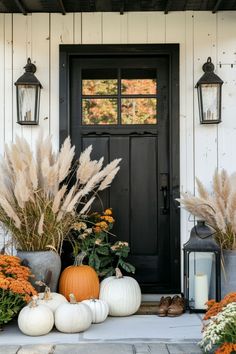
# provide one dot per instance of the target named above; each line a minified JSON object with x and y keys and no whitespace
{"x":73,"y":317}
{"x":121,"y":293}
{"x":99,"y":308}
{"x":52,"y":300}
{"x":35,"y":320}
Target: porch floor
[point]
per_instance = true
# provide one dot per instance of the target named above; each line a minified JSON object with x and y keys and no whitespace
{"x":125,"y":335}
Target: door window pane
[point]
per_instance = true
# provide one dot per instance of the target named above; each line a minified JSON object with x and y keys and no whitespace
{"x":138,"y":111}
{"x":99,"y":82}
{"x":99,"y":111}
{"x":138,"y":82}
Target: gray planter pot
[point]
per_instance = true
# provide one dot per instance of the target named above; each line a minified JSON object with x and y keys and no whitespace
{"x":45,"y":265}
{"x":228,"y":274}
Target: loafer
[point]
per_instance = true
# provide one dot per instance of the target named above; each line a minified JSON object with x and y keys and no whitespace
{"x":164,"y":304}
{"x":176,"y":307}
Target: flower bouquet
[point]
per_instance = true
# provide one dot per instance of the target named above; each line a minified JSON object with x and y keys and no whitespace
{"x":219,"y":332}
{"x":15,"y":289}
{"x":92,"y":236}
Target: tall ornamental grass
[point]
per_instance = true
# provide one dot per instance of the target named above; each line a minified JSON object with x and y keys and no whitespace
{"x":42,"y":194}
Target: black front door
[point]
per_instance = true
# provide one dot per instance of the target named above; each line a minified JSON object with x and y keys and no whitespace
{"x":121,"y":105}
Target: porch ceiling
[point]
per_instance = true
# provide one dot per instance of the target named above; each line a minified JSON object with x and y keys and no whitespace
{"x":64,"y":6}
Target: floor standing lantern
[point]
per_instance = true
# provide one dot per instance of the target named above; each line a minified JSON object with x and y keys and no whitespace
{"x":209,"y":95}
{"x":202,"y":262}
{"x":28,"y":90}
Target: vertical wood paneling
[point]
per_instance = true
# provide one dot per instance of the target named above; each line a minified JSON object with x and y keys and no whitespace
{"x":92,"y":28}
{"x":61,"y":32}
{"x":156,"y":27}
{"x":40,"y":55}
{"x":205,"y":135}
{"x":114,"y":28}
{"x":187,"y":127}
{"x":21,"y":48}
{"x":227,"y":56}
{"x":2,"y":81}
{"x":77,"y":28}
{"x":137,"y":27}
{"x":8,"y":78}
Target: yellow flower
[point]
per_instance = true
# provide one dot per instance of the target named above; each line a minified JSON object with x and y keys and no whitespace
{"x":108,"y":212}
{"x":80,"y":226}
{"x":109,"y":219}
{"x":103,"y":225}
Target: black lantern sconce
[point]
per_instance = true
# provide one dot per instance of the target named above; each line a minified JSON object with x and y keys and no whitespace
{"x":28,"y":90}
{"x":209,"y":95}
{"x":202,"y":268}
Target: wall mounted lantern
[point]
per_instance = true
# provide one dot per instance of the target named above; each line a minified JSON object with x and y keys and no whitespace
{"x":28,"y":90}
{"x":209,"y":95}
{"x":202,"y":268}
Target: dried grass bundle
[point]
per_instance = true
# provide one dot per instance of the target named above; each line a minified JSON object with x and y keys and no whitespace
{"x":39,"y":202}
{"x":217,"y":208}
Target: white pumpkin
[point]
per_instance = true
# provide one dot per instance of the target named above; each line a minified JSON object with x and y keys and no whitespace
{"x":73,"y":317}
{"x":121,"y":293}
{"x":52,"y":300}
{"x":99,"y":308}
{"x":35,"y":320}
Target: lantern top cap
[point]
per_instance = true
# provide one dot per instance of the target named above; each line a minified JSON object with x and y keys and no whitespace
{"x":28,"y":78}
{"x":201,"y":239}
{"x":30,"y":67}
{"x":208,"y":66}
{"x":209,"y":77}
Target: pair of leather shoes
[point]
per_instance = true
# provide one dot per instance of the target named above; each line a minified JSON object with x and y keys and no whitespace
{"x":171,"y":307}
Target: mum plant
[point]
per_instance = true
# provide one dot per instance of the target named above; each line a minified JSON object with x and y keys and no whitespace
{"x":217,"y":208}
{"x":92,"y":236}
{"x":15,"y":289}
{"x":219,"y":333}
{"x":43,"y":193}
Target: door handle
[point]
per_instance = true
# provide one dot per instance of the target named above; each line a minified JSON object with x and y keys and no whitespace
{"x":164,"y":188}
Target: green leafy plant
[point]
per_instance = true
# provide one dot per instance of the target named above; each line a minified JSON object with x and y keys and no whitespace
{"x":92,"y":236}
{"x":39,"y":199}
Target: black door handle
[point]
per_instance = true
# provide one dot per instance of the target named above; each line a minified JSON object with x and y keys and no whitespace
{"x":164,"y":188}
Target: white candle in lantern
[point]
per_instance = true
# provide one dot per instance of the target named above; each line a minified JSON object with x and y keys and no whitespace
{"x":201,"y":290}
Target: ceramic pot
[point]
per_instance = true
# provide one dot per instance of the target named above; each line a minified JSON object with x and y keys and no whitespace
{"x":45,"y":265}
{"x":228,"y":274}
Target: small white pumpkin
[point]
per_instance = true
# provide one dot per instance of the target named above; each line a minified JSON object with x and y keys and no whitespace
{"x":121,"y":293}
{"x":35,"y":320}
{"x":73,"y":317}
{"x":52,"y":300}
{"x":99,"y":308}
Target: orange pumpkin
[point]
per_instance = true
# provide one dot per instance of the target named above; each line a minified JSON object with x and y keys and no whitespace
{"x":81,"y":280}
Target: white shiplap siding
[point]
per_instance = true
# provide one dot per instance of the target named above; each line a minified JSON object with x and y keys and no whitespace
{"x":200,"y":34}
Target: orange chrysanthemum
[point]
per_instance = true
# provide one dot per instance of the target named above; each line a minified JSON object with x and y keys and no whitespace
{"x":215,"y":307}
{"x":14,"y":277}
{"x":226,"y":348}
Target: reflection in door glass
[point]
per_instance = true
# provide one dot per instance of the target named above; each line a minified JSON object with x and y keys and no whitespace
{"x":99,"y":87}
{"x":99,"y":81}
{"x":138,"y":111}
{"x":138,"y":81}
{"x":138,"y":87}
{"x":99,"y":111}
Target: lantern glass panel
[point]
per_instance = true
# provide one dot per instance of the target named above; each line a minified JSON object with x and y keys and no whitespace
{"x":201,"y":279}
{"x":210,"y":102}
{"x":28,"y":103}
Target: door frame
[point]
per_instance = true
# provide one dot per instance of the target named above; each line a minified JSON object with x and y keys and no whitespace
{"x":67,"y":52}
